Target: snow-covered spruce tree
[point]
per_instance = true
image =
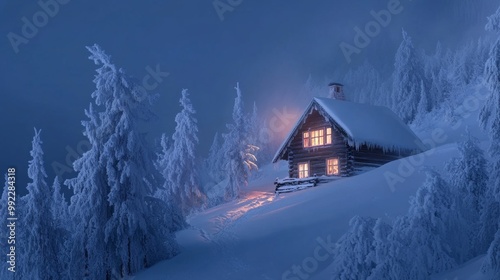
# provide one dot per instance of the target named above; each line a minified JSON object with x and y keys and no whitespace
{"x":493,"y":23}
{"x":38,"y":250}
{"x":437,"y":68}
{"x":481,"y":54}
{"x":399,"y":261}
{"x":116,"y":230}
{"x":423,"y":104}
{"x":490,"y":119}
{"x":431,"y":67}
{"x":163,"y":155}
{"x":417,"y":245}
{"x":234,"y":148}
{"x":364,"y":84}
{"x":430,"y":216}
{"x":59,"y":213}
{"x":463,"y":65}
{"x":311,"y":88}
{"x":489,"y":224}
{"x":162,"y":164}
{"x":352,"y":259}
{"x":88,"y":209}
{"x":182,"y":169}
{"x":384,"y":94}
{"x":59,"y":207}
{"x":491,"y":264}
{"x":408,"y":74}
{"x":215,"y":160}
{"x":468,"y":179}
{"x":380,"y":253}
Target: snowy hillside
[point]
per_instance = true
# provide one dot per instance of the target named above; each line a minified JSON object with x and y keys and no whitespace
{"x":262,"y":236}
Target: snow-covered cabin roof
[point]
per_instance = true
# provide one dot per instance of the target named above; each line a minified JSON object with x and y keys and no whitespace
{"x":375,"y":126}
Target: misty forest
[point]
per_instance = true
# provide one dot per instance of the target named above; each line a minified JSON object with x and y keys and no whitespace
{"x":376,"y":171}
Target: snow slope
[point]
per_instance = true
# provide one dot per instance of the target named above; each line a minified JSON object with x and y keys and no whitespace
{"x":261,"y":236}
{"x":469,"y":271}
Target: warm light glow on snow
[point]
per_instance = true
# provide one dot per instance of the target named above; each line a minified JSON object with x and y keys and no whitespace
{"x":250,"y":202}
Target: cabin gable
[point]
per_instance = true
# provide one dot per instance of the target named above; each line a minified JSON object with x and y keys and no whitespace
{"x":314,"y":152}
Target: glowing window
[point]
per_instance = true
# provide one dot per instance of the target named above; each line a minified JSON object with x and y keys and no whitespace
{"x":317,"y":137}
{"x":328,"y":136}
{"x":306,"y":140}
{"x":303,"y":170}
{"x":332,"y":166}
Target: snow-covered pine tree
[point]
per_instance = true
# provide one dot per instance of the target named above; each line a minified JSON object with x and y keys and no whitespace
{"x":417,"y":245}
{"x":163,"y":223}
{"x":490,"y":113}
{"x":490,"y":119}
{"x":235,"y":145}
{"x":59,"y":207}
{"x":38,"y":249}
{"x":384,"y":93}
{"x":399,"y":261}
{"x":481,"y":55}
{"x":215,"y":160}
{"x":493,"y":23}
{"x":352,"y":259}
{"x":408,"y":74}
{"x":380,"y":253}
{"x":430,"y":215}
{"x":311,"y":89}
{"x":115,"y":228}
{"x":163,"y":156}
{"x":491,"y":265}
{"x":59,"y":213}
{"x":182,"y":168}
{"x":163,"y":194}
{"x":463,"y":68}
{"x":468,"y":179}
{"x":88,"y":209}
{"x":437,"y":72}
{"x":423,"y":104}
{"x":489,"y":224}
{"x":364,"y":84}
{"x":431,"y":67}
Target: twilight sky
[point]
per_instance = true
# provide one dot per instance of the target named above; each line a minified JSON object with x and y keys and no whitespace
{"x":270,"y":47}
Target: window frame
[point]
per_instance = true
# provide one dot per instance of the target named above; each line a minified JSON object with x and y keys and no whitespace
{"x":306,"y":140}
{"x":308,"y":170}
{"x":333,"y":167}
{"x":328,"y":136}
{"x":317,"y":137}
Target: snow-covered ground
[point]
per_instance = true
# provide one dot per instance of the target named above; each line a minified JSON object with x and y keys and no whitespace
{"x":261,"y":236}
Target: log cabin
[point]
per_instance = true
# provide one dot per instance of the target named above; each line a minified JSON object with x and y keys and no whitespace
{"x":335,"y":137}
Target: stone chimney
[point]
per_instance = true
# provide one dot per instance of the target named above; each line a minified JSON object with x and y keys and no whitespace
{"x":336,"y":91}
